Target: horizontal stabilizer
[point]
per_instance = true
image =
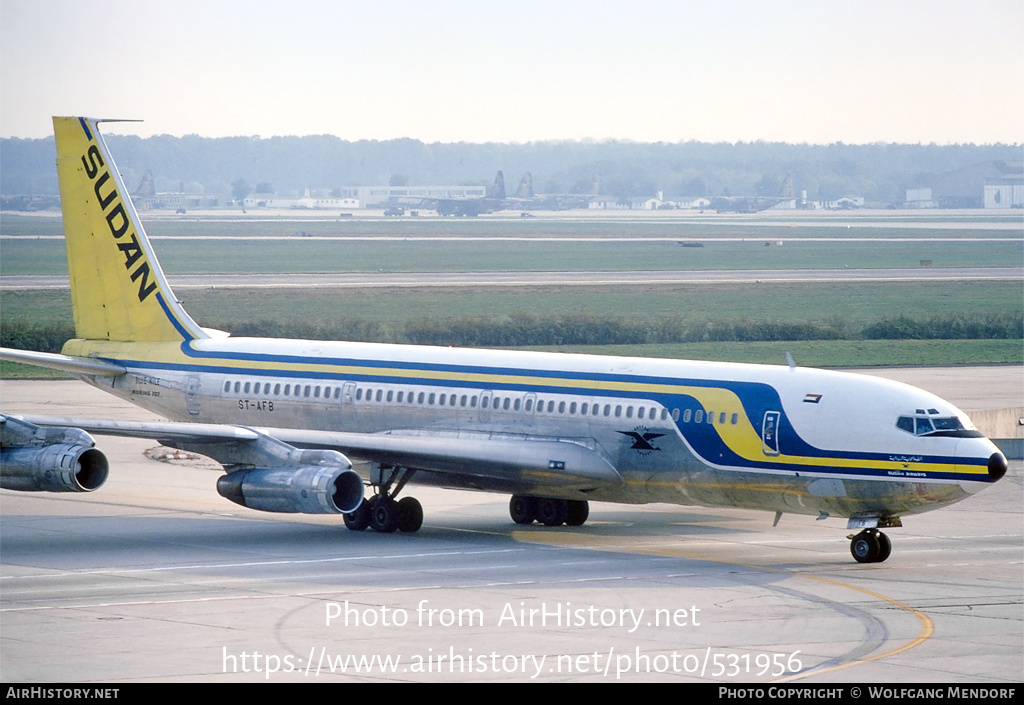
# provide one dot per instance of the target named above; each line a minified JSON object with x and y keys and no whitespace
{"x":65,"y":363}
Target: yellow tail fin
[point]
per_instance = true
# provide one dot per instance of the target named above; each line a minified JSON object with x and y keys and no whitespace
{"x":118,"y":291}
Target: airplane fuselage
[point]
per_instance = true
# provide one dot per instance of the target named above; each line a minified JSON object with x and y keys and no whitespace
{"x":777,"y":438}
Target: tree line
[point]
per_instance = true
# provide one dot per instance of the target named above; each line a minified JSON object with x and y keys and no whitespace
{"x":327,"y":165}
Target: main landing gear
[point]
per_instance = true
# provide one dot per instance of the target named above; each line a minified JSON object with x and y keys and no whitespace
{"x":383,"y":512}
{"x":548,"y":511}
{"x":870,"y":546}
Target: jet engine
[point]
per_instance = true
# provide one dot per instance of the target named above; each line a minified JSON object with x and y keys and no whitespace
{"x":53,"y":468}
{"x":312,"y":489}
{"x":37,"y":459}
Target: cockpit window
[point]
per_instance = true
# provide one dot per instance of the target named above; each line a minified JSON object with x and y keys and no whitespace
{"x":951,"y":423}
{"x":935,"y":426}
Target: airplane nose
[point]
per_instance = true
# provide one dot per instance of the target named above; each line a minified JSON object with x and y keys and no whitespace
{"x":996,"y":466}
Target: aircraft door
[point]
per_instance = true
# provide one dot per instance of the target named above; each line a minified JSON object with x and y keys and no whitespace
{"x":529,"y":407}
{"x":192,"y":395}
{"x":770,"y":432}
{"x":348,"y":412}
{"x":486,"y":397}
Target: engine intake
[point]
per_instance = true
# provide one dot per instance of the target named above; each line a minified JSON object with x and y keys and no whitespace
{"x":53,"y":468}
{"x":303,"y":489}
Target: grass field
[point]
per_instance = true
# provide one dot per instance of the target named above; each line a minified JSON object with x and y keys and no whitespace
{"x":844,"y":306}
{"x":841,"y":304}
{"x":22,"y":256}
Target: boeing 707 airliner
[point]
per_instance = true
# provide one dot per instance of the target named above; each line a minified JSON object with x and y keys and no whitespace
{"x":344,"y":428}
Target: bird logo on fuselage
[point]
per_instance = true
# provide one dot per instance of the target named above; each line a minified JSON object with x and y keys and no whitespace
{"x":642,"y":439}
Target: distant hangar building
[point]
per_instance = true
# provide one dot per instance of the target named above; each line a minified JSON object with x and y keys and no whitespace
{"x":995,"y":184}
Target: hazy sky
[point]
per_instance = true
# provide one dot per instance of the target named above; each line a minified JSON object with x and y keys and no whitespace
{"x":519,"y":71}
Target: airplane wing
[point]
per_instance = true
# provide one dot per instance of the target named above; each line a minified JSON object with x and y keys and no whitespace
{"x":489,"y":458}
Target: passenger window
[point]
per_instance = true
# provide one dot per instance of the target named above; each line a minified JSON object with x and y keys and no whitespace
{"x":277,"y":389}
{"x":359,"y":393}
{"x":572,"y":408}
{"x":698,"y":416}
{"x":431,"y":399}
{"x":238,"y":387}
{"x":227,"y":386}
{"x":316,"y":392}
{"x":583,"y":409}
{"x":735,"y":419}
{"x":618,"y":410}
{"x":607,"y":409}
{"x":380,"y":394}
{"x":246,"y":387}
{"x":721,"y":418}
{"x":308,"y":389}
{"x":561,"y":407}
{"x":529,"y":404}
{"x":519,"y":403}
{"x":629,"y":412}
{"x":420,"y":398}
{"x":504,"y":404}
{"x":551,"y":406}
{"x":443,"y":399}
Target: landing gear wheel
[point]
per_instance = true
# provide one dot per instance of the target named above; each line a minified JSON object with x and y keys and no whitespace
{"x":579,"y":510}
{"x":410,"y":515}
{"x":359,"y":519}
{"x":884,"y":547}
{"x":384,"y":515}
{"x":865,"y":546}
{"x":522,"y":509}
{"x":552,"y":512}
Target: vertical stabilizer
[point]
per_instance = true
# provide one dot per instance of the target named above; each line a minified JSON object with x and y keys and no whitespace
{"x":118,"y":291}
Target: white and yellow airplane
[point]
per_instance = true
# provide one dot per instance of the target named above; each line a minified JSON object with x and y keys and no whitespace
{"x":287,"y":418}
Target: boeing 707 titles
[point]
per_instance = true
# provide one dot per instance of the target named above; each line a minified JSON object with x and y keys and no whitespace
{"x":343,"y":428}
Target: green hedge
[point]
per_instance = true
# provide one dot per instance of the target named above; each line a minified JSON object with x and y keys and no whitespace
{"x":519,"y":331}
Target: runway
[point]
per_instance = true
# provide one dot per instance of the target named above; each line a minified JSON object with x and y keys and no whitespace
{"x":389,"y":280}
{"x":156,"y":578}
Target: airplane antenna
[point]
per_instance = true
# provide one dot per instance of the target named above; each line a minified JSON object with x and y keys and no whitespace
{"x":789,"y":359}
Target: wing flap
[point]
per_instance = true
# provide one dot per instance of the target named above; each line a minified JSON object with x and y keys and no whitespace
{"x":155,"y":430}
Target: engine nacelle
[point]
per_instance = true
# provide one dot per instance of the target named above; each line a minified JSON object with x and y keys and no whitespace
{"x":306,"y":489}
{"x":58,"y":467}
